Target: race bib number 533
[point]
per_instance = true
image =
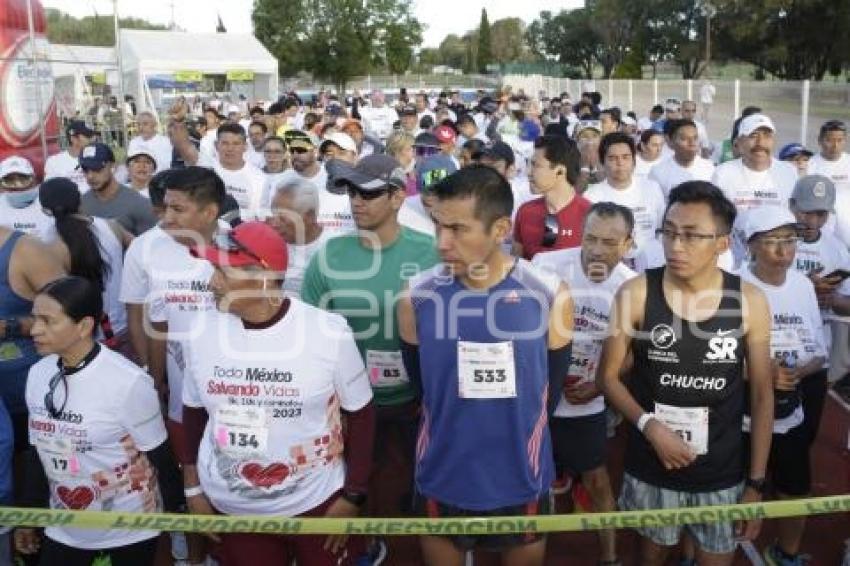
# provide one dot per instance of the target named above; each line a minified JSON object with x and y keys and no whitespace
{"x":486,"y":370}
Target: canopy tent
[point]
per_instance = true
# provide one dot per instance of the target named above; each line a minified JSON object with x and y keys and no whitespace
{"x":185,"y":57}
{"x":75,"y":69}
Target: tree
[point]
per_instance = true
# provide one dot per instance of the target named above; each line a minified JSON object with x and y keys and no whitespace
{"x":90,"y":30}
{"x":452,"y":52}
{"x":338,"y":39}
{"x":790,"y":40}
{"x":614,"y":23}
{"x":566,"y":37}
{"x":507,"y":43}
{"x":485,"y":48}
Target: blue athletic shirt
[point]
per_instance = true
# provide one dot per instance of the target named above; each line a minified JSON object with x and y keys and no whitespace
{"x":483,"y":454}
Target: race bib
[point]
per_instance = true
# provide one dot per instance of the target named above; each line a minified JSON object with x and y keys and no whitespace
{"x":240,"y":431}
{"x":786,"y":346}
{"x":690,"y":423}
{"x":58,"y":457}
{"x":486,"y":370}
{"x":583,"y":362}
{"x":386,"y":369}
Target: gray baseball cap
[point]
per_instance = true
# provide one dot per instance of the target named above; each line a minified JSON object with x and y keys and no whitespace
{"x":814,"y":192}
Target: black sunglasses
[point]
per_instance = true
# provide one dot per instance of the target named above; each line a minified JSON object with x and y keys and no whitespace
{"x":551,"y":229}
{"x":227,"y":241}
{"x":49,"y":401}
{"x":364,"y":194}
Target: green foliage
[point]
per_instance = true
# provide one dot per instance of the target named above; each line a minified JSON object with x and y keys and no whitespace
{"x":90,"y":30}
{"x":485,"y":48}
{"x":338,"y":39}
{"x":790,"y":40}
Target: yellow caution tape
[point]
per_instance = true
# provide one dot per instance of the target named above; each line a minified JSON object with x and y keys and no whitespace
{"x":25,"y":517}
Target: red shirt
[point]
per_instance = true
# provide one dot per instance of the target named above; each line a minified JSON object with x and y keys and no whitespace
{"x":530,"y":225}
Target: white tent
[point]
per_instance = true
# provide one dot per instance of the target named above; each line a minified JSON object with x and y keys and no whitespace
{"x":156,"y":53}
{"x":73,"y":67}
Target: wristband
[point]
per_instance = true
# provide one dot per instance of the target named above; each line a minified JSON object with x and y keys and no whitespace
{"x":193,"y":491}
{"x":758,"y":485}
{"x":643,"y":420}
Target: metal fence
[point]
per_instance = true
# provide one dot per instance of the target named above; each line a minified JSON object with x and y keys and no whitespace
{"x":797,"y":107}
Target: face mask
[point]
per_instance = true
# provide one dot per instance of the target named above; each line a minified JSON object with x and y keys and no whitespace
{"x":22,"y":199}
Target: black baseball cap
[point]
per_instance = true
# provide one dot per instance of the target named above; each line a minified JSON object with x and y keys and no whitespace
{"x":78,"y":127}
{"x":499,"y":151}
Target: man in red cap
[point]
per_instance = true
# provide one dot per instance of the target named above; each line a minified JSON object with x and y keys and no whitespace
{"x":267,"y":380}
{"x":447,"y":136}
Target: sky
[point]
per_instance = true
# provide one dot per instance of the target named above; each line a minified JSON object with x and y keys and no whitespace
{"x":441,"y":17}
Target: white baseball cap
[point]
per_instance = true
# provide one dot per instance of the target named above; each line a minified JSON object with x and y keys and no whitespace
{"x":765,"y":219}
{"x":753,"y":122}
{"x":233,"y":108}
{"x":141,"y":150}
{"x":344,"y":141}
{"x":16,"y":164}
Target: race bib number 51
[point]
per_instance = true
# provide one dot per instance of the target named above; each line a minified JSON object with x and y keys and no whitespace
{"x":486,"y":370}
{"x":690,"y":423}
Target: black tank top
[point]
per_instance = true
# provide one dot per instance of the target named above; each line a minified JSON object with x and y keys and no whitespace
{"x":688,"y":364}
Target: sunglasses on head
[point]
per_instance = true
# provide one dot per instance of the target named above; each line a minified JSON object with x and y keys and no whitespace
{"x":227,"y":241}
{"x":550,"y":231}
{"x":426,"y":151}
{"x":49,"y":397}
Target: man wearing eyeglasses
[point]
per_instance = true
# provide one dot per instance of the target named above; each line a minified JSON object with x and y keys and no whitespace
{"x":756,"y":178}
{"x":109,"y":199}
{"x":19,"y":205}
{"x":683,"y":328}
{"x":593,"y":272}
{"x":360,"y":276}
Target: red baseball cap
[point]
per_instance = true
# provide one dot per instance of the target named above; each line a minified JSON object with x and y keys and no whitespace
{"x":250,"y":243}
{"x":445,"y":134}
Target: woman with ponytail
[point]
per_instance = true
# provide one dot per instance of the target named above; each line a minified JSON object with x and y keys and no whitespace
{"x":91,"y":248}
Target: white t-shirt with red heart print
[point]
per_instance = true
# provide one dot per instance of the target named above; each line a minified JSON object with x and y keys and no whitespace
{"x":93,"y":451}
{"x":273,"y":443}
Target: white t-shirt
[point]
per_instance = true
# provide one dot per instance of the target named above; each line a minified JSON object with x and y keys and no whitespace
{"x":413,"y":215}
{"x":651,"y":256}
{"x":246,"y":185}
{"x":299,"y":259}
{"x":112,"y":253}
{"x":254,"y":157}
{"x":668,"y":173}
{"x":592,"y":307}
{"x":160,"y":272}
{"x":159,"y":146}
{"x":30,"y":220}
{"x":824,"y":256}
{"x":273,"y":444}
{"x":378,"y":121}
{"x":748,"y":189}
{"x":643,"y":197}
{"x":522,"y":192}
{"x":65,"y":165}
{"x":796,"y":329}
{"x":91,"y":452}
{"x":644,"y":167}
{"x":272,"y":182}
{"x":706,"y":93}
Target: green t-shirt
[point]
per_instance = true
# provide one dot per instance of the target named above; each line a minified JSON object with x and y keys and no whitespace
{"x":363,"y":286}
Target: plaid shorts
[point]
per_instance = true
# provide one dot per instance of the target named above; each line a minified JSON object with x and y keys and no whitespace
{"x":716,"y":538}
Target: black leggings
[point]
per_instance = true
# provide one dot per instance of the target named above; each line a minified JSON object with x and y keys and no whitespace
{"x":139,"y":554}
{"x":813,"y":393}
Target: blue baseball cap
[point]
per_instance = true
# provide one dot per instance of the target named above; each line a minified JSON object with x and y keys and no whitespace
{"x":96,"y":156}
{"x":792,"y":150}
{"x":432,"y":170}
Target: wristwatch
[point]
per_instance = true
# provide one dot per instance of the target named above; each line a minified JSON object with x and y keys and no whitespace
{"x":355,"y":498}
{"x":757,"y":484}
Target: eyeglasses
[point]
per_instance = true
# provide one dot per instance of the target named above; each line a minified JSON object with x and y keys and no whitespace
{"x":426,"y":151}
{"x":49,"y":397}
{"x":551,"y":230}
{"x":687,"y":238}
{"x":776,"y":242}
{"x":364,"y":194}
{"x":227,"y":241}
{"x":275,"y":151}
